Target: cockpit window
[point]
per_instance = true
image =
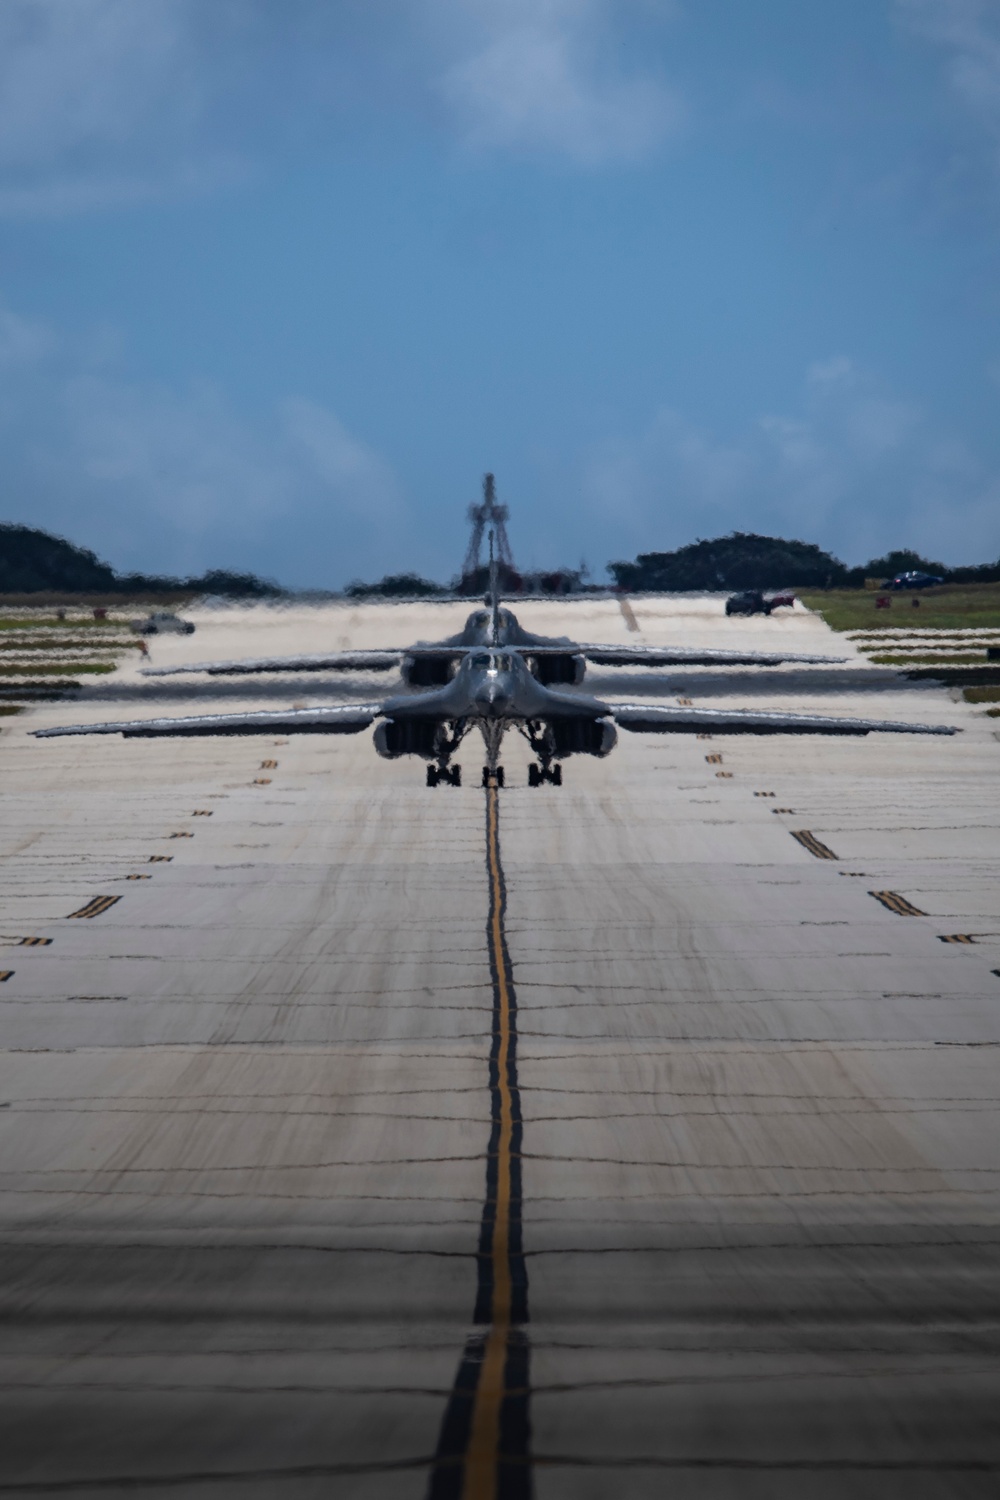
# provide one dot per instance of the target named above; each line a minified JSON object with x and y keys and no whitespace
{"x":481,"y":661}
{"x":503,"y":663}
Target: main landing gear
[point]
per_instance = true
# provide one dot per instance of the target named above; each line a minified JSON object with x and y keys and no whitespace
{"x":450,"y":775}
{"x":494,"y":777}
{"x":538,"y":774}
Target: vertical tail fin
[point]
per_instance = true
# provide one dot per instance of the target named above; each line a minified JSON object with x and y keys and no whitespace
{"x":494,"y":596}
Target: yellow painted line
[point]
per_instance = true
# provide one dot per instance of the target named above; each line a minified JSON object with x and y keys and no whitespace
{"x":95,"y":906}
{"x":483,"y":1450}
{"x":812,"y":843}
{"x":714,"y":760}
{"x":160,"y":859}
{"x":482,"y":1456}
{"x":33,"y":942}
{"x":893,"y":901}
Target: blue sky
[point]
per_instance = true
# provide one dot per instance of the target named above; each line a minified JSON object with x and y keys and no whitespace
{"x":278,"y":282}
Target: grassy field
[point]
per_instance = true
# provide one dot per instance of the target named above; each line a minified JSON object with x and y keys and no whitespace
{"x":56,"y":669}
{"x":953,"y":606}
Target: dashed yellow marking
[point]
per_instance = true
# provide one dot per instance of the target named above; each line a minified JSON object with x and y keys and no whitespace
{"x":714,"y":760}
{"x":269,"y":765}
{"x":724,"y":775}
{"x":95,"y":906}
{"x":138,"y":877}
{"x":160,"y":859}
{"x":893,"y":901}
{"x":202,"y":812}
{"x":686,"y":702}
{"x":765,"y":794}
{"x":261,"y":781}
{"x":33,"y":942}
{"x":783,"y":810}
{"x":182,"y":835}
{"x":812,"y":843}
{"x":957,"y":937}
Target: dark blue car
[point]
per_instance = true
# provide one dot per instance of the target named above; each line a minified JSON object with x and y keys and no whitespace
{"x":913,"y":581}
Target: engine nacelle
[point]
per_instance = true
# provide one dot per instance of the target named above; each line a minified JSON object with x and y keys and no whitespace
{"x":552,"y":669}
{"x":583,"y":736}
{"x":427,"y":671}
{"x":396,"y":737}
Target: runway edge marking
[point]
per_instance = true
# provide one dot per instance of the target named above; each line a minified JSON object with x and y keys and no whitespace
{"x":483,"y":1450}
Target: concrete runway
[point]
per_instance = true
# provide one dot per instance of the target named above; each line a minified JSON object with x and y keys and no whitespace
{"x":601,"y":1141}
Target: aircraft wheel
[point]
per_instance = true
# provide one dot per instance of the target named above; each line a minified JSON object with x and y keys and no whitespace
{"x":486,"y":776}
{"x":499,"y":775}
{"x":556,"y":775}
{"x":456,"y":776}
{"x":534,"y":775}
{"x":432,"y":776}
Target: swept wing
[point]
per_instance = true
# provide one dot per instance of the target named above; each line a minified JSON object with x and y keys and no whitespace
{"x":329,"y":661}
{"x":650,"y":718}
{"x":348,"y":719}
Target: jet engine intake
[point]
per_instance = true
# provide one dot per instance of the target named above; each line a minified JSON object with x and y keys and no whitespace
{"x":396,"y":737}
{"x":583,"y":737}
{"x":427,"y":671}
{"x":553,"y":669}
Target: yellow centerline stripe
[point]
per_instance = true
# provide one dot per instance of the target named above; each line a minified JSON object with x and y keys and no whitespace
{"x":483,"y":1453}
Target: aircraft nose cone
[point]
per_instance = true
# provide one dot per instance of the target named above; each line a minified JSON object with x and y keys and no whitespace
{"x":492,"y":701}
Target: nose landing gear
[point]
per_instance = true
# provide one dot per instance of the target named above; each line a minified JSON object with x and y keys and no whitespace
{"x":539,"y":774}
{"x":494,"y":777}
{"x":450,"y":775}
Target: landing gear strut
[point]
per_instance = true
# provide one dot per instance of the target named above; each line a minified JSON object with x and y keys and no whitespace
{"x":538,"y":774}
{"x":450,"y":775}
{"x":494,"y":777}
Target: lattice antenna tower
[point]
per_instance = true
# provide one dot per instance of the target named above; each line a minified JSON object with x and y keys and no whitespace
{"x":489,"y":514}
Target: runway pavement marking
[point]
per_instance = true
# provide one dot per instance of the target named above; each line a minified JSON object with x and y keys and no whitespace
{"x":95,"y":906}
{"x":202,"y":812}
{"x":138,"y":877}
{"x":182,"y":835}
{"x":724,"y":775}
{"x":686,"y":702}
{"x":958,"y":937}
{"x":899,"y":904}
{"x":786,"y":810}
{"x":765,"y":794}
{"x":714,"y":760}
{"x":160,"y":859}
{"x":628,"y":615}
{"x":269,"y":765}
{"x":483,"y":1447}
{"x":261,"y":781}
{"x":33,"y":942}
{"x":811,"y":842}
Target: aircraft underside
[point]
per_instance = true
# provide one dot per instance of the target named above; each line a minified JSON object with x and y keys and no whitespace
{"x":551,"y":741}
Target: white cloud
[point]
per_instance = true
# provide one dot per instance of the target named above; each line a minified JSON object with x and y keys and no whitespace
{"x":537,"y":75}
{"x":855,"y":461}
{"x":175,"y":479}
{"x":970,"y":32}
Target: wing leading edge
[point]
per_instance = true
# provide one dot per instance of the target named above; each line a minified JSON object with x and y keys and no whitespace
{"x":708,"y":656}
{"x":649,"y":718}
{"x":349,"y":719}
